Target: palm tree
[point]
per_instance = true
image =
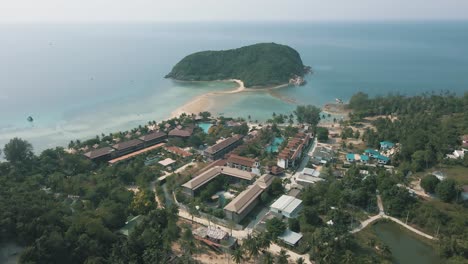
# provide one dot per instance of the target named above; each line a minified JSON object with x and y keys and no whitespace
{"x":283,"y":257}
{"x":263,"y":241}
{"x":300,"y":261}
{"x":251,"y":246}
{"x":237,"y":255}
{"x":267,"y":258}
{"x":348,"y":257}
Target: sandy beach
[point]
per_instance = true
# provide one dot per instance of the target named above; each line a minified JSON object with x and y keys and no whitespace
{"x":207,"y":102}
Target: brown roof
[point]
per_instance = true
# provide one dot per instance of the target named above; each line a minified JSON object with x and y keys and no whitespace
{"x":208,"y":175}
{"x":152,"y":136}
{"x":244,"y":161}
{"x":223,"y":144}
{"x":99,"y":152}
{"x":276,"y":170}
{"x":186,"y":132}
{"x":244,"y":199}
{"x":178,"y":151}
{"x":127,"y":144}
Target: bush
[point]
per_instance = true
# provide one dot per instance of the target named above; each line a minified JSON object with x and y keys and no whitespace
{"x":446,"y":190}
{"x":429,"y":183}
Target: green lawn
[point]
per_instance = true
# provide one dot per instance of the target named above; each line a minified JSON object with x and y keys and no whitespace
{"x":458,"y":173}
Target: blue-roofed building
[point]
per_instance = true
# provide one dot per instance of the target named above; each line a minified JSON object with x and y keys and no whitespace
{"x":371,"y":153}
{"x":350,"y":157}
{"x":384,"y":145}
{"x":382,"y":159}
{"x":364,"y":158}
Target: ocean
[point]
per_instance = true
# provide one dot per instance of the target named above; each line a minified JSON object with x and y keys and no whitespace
{"x":81,"y":80}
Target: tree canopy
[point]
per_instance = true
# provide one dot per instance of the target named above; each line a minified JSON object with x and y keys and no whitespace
{"x":261,"y":64}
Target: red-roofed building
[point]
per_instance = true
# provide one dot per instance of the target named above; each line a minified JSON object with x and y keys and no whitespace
{"x":243,"y":163}
{"x":293,"y":150}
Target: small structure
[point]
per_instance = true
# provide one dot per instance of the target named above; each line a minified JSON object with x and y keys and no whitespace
{"x":464,"y":140}
{"x":440,"y":175}
{"x":178,"y":151}
{"x":322,"y":155}
{"x":464,"y":194}
{"x":275,"y":170}
{"x":294,"y":192}
{"x":243,"y":163}
{"x":308,"y":176}
{"x":286,"y":205}
{"x":386,"y":145}
{"x":167,"y":162}
{"x":220,"y":149}
{"x":350,"y":157}
{"x":290,"y":238}
{"x":371,"y":153}
{"x":382,"y":159}
{"x":457,"y":154}
{"x":364,"y":159}
{"x":214,"y":237}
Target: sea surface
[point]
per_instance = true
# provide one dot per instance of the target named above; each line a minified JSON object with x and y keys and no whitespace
{"x":78,"y":81}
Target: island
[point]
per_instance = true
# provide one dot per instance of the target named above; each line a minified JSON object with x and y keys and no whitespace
{"x":258,"y":65}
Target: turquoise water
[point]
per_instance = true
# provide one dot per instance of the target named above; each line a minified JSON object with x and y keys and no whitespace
{"x":80,"y":80}
{"x":205,"y":126}
{"x":273,"y":147}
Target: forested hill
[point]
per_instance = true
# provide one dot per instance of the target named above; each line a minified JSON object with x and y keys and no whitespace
{"x":261,"y":64}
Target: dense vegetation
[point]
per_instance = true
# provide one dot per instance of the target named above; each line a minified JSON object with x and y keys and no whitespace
{"x":427,"y":127}
{"x":261,"y":64}
{"x":64,"y":209}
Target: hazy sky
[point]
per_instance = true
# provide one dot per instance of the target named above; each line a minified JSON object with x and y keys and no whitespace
{"x":247,"y":10}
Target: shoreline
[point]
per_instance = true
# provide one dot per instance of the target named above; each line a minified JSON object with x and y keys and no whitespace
{"x":206,"y":102}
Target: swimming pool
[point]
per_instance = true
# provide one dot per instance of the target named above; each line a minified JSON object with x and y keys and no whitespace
{"x":205,"y":126}
{"x":273,"y":147}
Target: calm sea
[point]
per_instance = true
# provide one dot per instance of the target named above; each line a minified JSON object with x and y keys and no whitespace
{"x":77,"y":81}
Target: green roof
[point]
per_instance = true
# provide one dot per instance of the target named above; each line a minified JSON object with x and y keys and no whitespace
{"x":387,"y":144}
{"x":371,"y":151}
{"x":364,"y":157}
{"x":380,"y":157}
{"x":350,"y":156}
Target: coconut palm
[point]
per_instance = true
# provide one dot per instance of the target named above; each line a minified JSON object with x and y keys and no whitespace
{"x":283,"y":257}
{"x":267,"y":258}
{"x":300,"y":261}
{"x":237,"y":255}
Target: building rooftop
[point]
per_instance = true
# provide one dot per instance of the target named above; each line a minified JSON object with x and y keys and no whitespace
{"x":152,"y":136}
{"x":178,"y":151}
{"x":223,"y":144}
{"x":387,"y":144}
{"x":286,"y":204}
{"x":208,"y":175}
{"x":350,"y":156}
{"x":265,"y":181}
{"x":372,"y":152}
{"x":167,"y":162}
{"x":127,"y":144}
{"x":211,"y":232}
{"x":99,"y":152}
{"x":244,"y":161}
{"x":290,"y":237}
{"x":184,"y":132}
{"x":364,"y":158}
{"x":244,"y":199}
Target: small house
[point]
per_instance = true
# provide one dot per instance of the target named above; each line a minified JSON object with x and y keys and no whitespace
{"x":290,"y":238}
{"x":350,"y":157}
{"x":386,"y":145}
{"x":286,"y":205}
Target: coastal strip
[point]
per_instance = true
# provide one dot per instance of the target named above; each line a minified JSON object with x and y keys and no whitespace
{"x":206,"y":102}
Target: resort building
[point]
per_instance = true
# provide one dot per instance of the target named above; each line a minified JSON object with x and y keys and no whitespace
{"x":350,"y":157}
{"x":382,"y":159}
{"x":287,"y":206}
{"x":372,"y":153}
{"x":290,"y":238}
{"x":293,"y":151}
{"x":153,"y":138}
{"x":386,"y":145}
{"x":190,"y":187}
{"x":181,"y":132}
{"x":243,"y":163}
{"x":102,"y":154}
{"x":127,"y":147}
{"x":241,"y":206}
{"x":275,"y":170}
{"x":218,"y":150}
{"x":178,"y":151}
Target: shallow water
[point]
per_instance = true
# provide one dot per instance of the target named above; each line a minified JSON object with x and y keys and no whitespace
{"x":81,"y":80}
{"x":406,"y":248}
